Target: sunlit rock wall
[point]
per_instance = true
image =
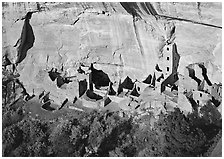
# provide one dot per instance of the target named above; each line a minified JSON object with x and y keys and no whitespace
{"x":124,"y":39}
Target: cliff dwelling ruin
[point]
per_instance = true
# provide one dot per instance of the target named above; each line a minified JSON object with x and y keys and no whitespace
{"x":137,"y":59}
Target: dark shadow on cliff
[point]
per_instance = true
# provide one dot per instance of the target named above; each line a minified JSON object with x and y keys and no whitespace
{"x":63,"y":104}
{"x":99,"y":78}
{"x":215,"y":102}
{"x":93,"y":95}
{"x":148,"y":80}
{"x":53,"y":74}
{"x":148,"y":7}
{"x":132,"y":8}
{"x":127,"y":83}
{"x":62,"y":80}
{"x":5,"y":61}
{"x":135,"y":92}
{"x":157,"y":68}
{"x":192,"y":102}
{"x":26,"y":41}
{"x":47,"y":106}
{"x":82,"y":87}
{"x":192,"y":75}
{"x":111,"y":90}
{"x":120,"y":89}
{"x":204,"y":74}
{"x":80,"y":70}
{"x":174,"y":87}
{"x":160,"y":77}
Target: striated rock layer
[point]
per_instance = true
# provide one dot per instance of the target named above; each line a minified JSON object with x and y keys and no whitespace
{"x":122,"y":39}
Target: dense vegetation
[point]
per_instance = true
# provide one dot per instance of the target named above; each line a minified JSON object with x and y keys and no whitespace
{"x":97,"y":134}
{"x":107,"y":134}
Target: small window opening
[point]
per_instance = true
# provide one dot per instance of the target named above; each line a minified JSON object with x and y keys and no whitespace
{"x":167,"y":49}
{"x":167,"y":58}
{"x":167,"y":69}
{"x":200,"y":95}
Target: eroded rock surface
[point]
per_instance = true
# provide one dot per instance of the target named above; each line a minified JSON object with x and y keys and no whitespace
{"x":122,"y":39}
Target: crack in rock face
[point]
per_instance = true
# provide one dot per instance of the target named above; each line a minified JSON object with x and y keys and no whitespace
{"x":124,"y":40}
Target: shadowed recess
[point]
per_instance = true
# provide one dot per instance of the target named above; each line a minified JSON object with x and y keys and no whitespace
{"x":26,"y":40}
{"x":53,"y":74}
{"x":61,"y":81}
{"x":120,"y":89}
{"x":93,"y":95}
{"x":63,"y":104}
{"x":161,"y":77}
{"x":204,"y":74}
{"x":80,"y":70}
{"x":99,"y":78}
{"x":148,"y":79}
{"x":111,"y":90}
{"x":157,"y":68}
{"x":82,"y":87}
{"x":127,"y":83}
{"x":215,"y":102}
{"x":192,"y":75}
{"x":150,"y":8}
{"x":132,"y":8}
{"x":47,"y":106}
{"x":135,"y":92}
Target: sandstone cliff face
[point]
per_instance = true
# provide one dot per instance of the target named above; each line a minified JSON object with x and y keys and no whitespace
{"x":123,"y":39}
